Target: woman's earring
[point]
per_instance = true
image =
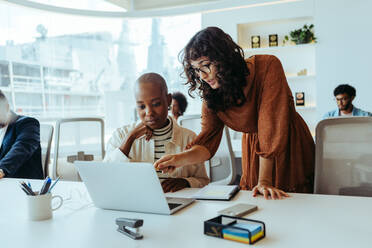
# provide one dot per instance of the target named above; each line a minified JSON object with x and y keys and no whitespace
{"x":169,"y":107}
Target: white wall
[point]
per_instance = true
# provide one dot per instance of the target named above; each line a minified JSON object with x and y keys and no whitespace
{"x":279,"y":17}
{"x":229,"y":20}
{"x":344,"y":50}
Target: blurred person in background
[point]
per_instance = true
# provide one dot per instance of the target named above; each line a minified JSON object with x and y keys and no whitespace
{"x":344,"y":97}
{"x":20,"y":151}
{"x":179,"y":105}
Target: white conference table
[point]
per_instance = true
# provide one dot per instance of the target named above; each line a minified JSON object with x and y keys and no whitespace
{"x":303,"y":220}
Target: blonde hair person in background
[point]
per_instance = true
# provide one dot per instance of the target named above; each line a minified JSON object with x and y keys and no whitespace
{"x":20,"y":151}
{"x":155,"y":135}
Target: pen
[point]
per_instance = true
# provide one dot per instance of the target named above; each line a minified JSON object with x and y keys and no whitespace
{"x":24,"y":190}
{"x":29,"y":185}
{"x":25,"y":187}
{"x":51,"y":187}
{"x":45,"y":187}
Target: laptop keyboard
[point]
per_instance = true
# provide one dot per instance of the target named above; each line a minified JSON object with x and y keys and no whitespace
{"x":173,"y":205}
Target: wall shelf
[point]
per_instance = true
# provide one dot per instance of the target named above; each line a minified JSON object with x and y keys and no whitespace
{"x":294,"y":58}
{"x":278,"y":48}
{"x":298,"y":78}
{"x":305,"y":107}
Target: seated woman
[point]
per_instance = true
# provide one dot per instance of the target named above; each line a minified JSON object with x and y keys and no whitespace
{"x":179,"y":104}
{"x":156,"y":135}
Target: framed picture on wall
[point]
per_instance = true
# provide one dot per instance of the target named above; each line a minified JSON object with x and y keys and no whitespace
{"x":273,"y":40}
{"x":300,"y":98}
{"x":256,"y":42}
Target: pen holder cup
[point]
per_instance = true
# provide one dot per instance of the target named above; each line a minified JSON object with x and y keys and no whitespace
{"x":40,"y":206}
{"x":235,"y":228}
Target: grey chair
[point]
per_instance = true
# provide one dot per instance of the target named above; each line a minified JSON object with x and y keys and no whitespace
{"x":344,"y":156}
{"x":221,"y":167}
{"x":77,"y":139}
{"x":46,"y":136}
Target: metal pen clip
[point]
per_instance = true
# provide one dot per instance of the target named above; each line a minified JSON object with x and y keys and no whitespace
{"x":125,"y":223}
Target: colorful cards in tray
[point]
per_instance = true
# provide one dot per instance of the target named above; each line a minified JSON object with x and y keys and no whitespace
{"x":235,"y":228}
{"x":235,"y":232}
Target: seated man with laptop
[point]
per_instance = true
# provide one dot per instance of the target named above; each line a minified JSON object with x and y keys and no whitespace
{"x":156,"y":135}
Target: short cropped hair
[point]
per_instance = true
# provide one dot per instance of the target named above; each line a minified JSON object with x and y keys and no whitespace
{"x":153,"y":77}
{"x":345,"y":89}
{"x":181,"y":99}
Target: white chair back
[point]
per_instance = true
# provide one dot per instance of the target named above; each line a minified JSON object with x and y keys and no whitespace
{"x":77,"y":139}
{"x":46,"y":135}
{"x":344,"y":156}
{"x":221,"y":167}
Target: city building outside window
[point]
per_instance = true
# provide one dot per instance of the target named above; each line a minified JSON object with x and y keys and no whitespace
{"x":55,"y":65}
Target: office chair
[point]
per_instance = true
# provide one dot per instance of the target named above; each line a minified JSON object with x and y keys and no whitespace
{"x":77,"y":139}
{"x":221,"y":167}
{"x":344,"y":156}
{"x":46,"y":135}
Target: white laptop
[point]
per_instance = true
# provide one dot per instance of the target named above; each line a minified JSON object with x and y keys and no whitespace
{"x":127,"y":186}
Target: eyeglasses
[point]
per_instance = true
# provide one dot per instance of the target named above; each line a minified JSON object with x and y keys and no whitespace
{"x":206,"y":69}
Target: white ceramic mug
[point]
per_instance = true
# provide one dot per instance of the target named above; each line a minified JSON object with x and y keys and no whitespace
{"x":40,"y":206}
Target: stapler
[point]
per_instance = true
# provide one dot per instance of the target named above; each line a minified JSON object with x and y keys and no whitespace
{"x":125,"y":223}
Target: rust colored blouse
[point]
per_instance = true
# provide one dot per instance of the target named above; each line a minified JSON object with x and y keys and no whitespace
{"x":272,"y":129}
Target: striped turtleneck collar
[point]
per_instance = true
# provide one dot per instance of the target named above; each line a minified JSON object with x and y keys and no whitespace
{"x":161,"y":137}
{"x":163,"y":131}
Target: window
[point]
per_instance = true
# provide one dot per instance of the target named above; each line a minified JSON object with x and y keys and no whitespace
{"x":54,"y":65}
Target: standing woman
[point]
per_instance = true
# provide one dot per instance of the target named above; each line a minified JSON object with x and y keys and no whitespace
{"x":251,"y":96}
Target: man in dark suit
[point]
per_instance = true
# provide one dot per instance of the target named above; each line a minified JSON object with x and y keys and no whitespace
{"x":20,"y":151}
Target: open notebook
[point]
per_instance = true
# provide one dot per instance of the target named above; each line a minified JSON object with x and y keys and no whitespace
{"x":216,"y":192}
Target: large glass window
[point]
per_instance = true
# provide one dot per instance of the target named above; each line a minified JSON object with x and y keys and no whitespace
{"x":54,"y":65}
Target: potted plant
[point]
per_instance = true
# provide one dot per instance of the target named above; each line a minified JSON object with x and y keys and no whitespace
{"x":303,"y":35}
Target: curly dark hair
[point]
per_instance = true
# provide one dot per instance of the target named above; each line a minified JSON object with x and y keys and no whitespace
{"x":228,"y":57}
{"x":182,"y":101}
{"x":344,"y":88}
